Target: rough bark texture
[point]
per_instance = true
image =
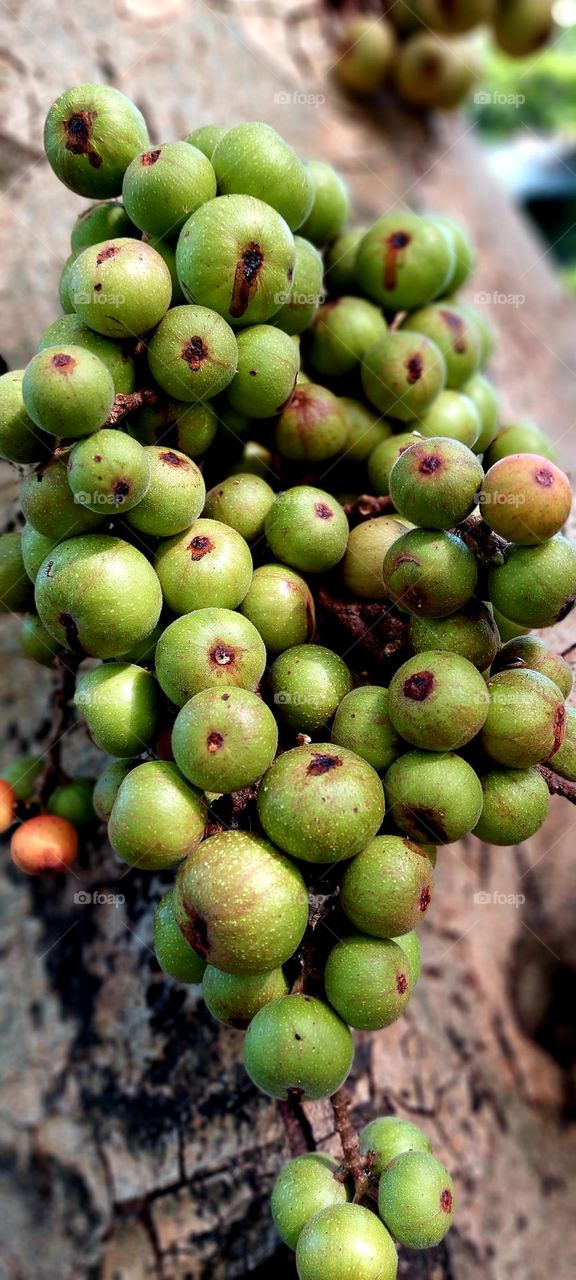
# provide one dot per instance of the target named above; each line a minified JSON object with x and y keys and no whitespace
{"x":133,"y":1145}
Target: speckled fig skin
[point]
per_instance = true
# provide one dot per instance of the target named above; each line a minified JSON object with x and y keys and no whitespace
{"x":525,"y":498}
{"x":207,"y":565}
{"x":330,"y":206}
{"x":363,"y":725}
{"x":416,"y":1199}
{"x":438,"y":700}
{"x":303,"y":1188}
{"x":368,"y":981}
{"x":312,"y":425}
{"x":206,"y":137}
{"x":280,"y":605}
{"x":535,"y":586}
{"x":435,"y":482}
{"x":343,"y":331}
{"x":15,"y":588}
{"x":235,"y":1000}
{"x":98,"y":594}
{"x":242,"y":502}
{"x":526,"y":720}
{"x":224,"y":739}
{"x":429,"y":574}
{"x":485,"y":399}
{"x":241,"y":904}
{"x":174,"y":955}
{"x":121,"y":288}
{"x":101,"y":222}
{"x":298,"y":1044}
{"x":92,"y":132}
{"x":433,"y":796}
{"x":268,"y":362}
{"x":383,"y":457}
{"x":119,"y":702}
{"x":21,"y":441}
{"x":109,"y":472}
{"x":174,"y":497}
{"x":530,"y":652}
{"x":107,"y":786}
{"x":236,"y":255}
{"x":67,"y":391}
{"x":404,"y":260}
{"x":402,"y":374}
{"x":306,"y":684}
{"x":454,"y":415}
{"x":387,"y":889}
{"x":519,"y":437}
{"x":367,"y":545}
{"x":307,"y":529}
{"x":389,"y":1137}
{"x":206,"y":649}
{"x":306,"y":783}
{"x":346,"y":1243}
{"x":193,"y":354}
{"x":516,"y":803}
{"x":157,"y":817}
{"x":564,"y":759}
{"x":306,"y":291}
{"x":253,"y":159}
{"x":366,"y":429}
{"x":455,"y":336}
{"x":163,"y":186}
{"x":471,"y":632}
{"x":49,"y":505}
{"x":70,"y":330}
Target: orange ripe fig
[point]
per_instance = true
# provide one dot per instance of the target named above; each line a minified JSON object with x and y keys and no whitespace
{"x":45,"y":843}
{"x":7,"y":805}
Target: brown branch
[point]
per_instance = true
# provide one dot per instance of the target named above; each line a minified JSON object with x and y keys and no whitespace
{"x":298,"y":1128}
{"x":378,"y":631}
{"x":557,"y":786}
{"x":125,"y":404}
{"x":367,"y":506}
{"x":355,"y":1164}
{"x":481,"y":538}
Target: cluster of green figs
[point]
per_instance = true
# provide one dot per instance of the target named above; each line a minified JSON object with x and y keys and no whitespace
{"x":428,"y":51}
{"x":194,"y":431}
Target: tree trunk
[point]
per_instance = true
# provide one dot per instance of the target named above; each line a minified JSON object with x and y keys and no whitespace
{"x":134,"y":1146}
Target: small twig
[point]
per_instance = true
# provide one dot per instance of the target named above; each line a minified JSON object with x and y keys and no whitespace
{"x":298,"y":1128}
{"x":557,"y":786}
{"x":125,"y":404}
{"x":355,"y":1164}
{"x":367,"y":506}
{"x":379,"y":632}
{"x":481,"y":538}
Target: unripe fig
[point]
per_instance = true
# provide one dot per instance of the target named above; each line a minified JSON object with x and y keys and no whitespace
{"x":15,"y":589}
{"x":242,"y":502}
{"x":564,"y":759}
{"x":416,"y":1199}
{"x":389,"y":1137}
{"x":535,"y":586}
{"x":242,"y":905}
{"x":403,"y":373}
{"x":175,"y":495}
{"x":405,"y":260}
{"x":224,"y":739}
{"x":207,"y":649}
{"x":157,"y":818}
{"x":235,"y":1000}
{"x":307,"y":683}
{"x":330,"y":205}
{"x":298,"y":1044}
{"x":307,"y":529}
{"x":515,"y":804}
{"x":321,"y":803}
{"x":51,"y":508}
{"x":438,"y":700}
{"x":164,"y":185}
{"x":368,"y":981}
{"x":529,"y":652}
{"x":362,"y":724}
{"x":207,"y":565}
{"x":526,"y":720}
{"x":303,"y":1188}
{"x":346,"y":1243}
{"x":121,"y":288}
{"x":387,"y":889}
{"x":91,"y":134}
{"x":429,"y":574}
{"x":281,"y":606}
{"x":174,"y":955}
{"x":435,"y":797}
{"x":471,"y":632}
{"x":525,"y":498}
{"x":435,"y":482}
{"x":107,"y":787}
{"x":312,"y":425}
{"x":119,"y":702}
{"x":368,"y":543}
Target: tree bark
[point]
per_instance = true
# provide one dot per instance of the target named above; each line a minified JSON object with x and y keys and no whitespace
{"x":133,"y":1145}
